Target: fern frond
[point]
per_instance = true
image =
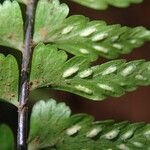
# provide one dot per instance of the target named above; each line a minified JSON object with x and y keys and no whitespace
{"x":80,"y":36}
{"x":50,"y":68}
{"x":9,"y":75}
{"x":103,"y":4}
{"x":6,"y":138}
{"x":52,"y":128}
{"x":11,"y":25}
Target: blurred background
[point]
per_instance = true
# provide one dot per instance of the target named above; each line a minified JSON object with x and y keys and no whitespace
{"x":133,"y":106}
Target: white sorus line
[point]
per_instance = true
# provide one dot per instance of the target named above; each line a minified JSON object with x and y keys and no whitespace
{"x":109,"y":70}
{"x":105,"y":87}
{"x":94,"y":132}
{"x":84,"y":51}
{"x":83,"y":89}
{"x":118,"y":46}
{"x":100,"y":48}
{"x":73,"y":130}
{"x":99,"y":37}
{"x":147,"y":134}
{"x":67,"y":30}
{"x":123,"y":147}
{"x":137,"y":144}
{"x":140,"y":77}
{"x":128,"y":70}
{"x":70,"y":71}
{"x":133,"y":41}
{"x":85,"y":73}
{"x":127,"y":135}
{"x":114,"y":38}
{"x":88,"y":31}
{"x":111,"y":135}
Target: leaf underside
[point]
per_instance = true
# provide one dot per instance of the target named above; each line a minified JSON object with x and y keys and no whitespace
{"x":6,"y":138}
{"x":11,"y":25}
{"x":52,"y":128}
{"x":80,"y":36}
{"x":50,"y":68}
{"x":75,"y":34}
{"x":9,"y":75}
{"x":103,"y":4}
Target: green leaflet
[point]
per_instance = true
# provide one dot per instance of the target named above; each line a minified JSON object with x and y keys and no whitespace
{"x":9,"y":79}
{"x":50,"y":68}
{"x":80,"y":36}
{"x":11,"y":25}
{"x":103,"y":4}
{"x":49,"y":17}
{"x":47,"y":115}
{"x":6,"y":138}
{"x":52,"y":128}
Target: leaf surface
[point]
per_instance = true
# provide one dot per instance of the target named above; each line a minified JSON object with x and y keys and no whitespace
{"x":52,"y":128}
{"x":46,"y":115}
{"x":51,"y":68}
{"x":103,"y":4}
{"x":11,"y":25}
{"x":9,"y":75}
{"x":6,"y":138}
{"x":23,"y":1}
{"x":80,"y":36}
